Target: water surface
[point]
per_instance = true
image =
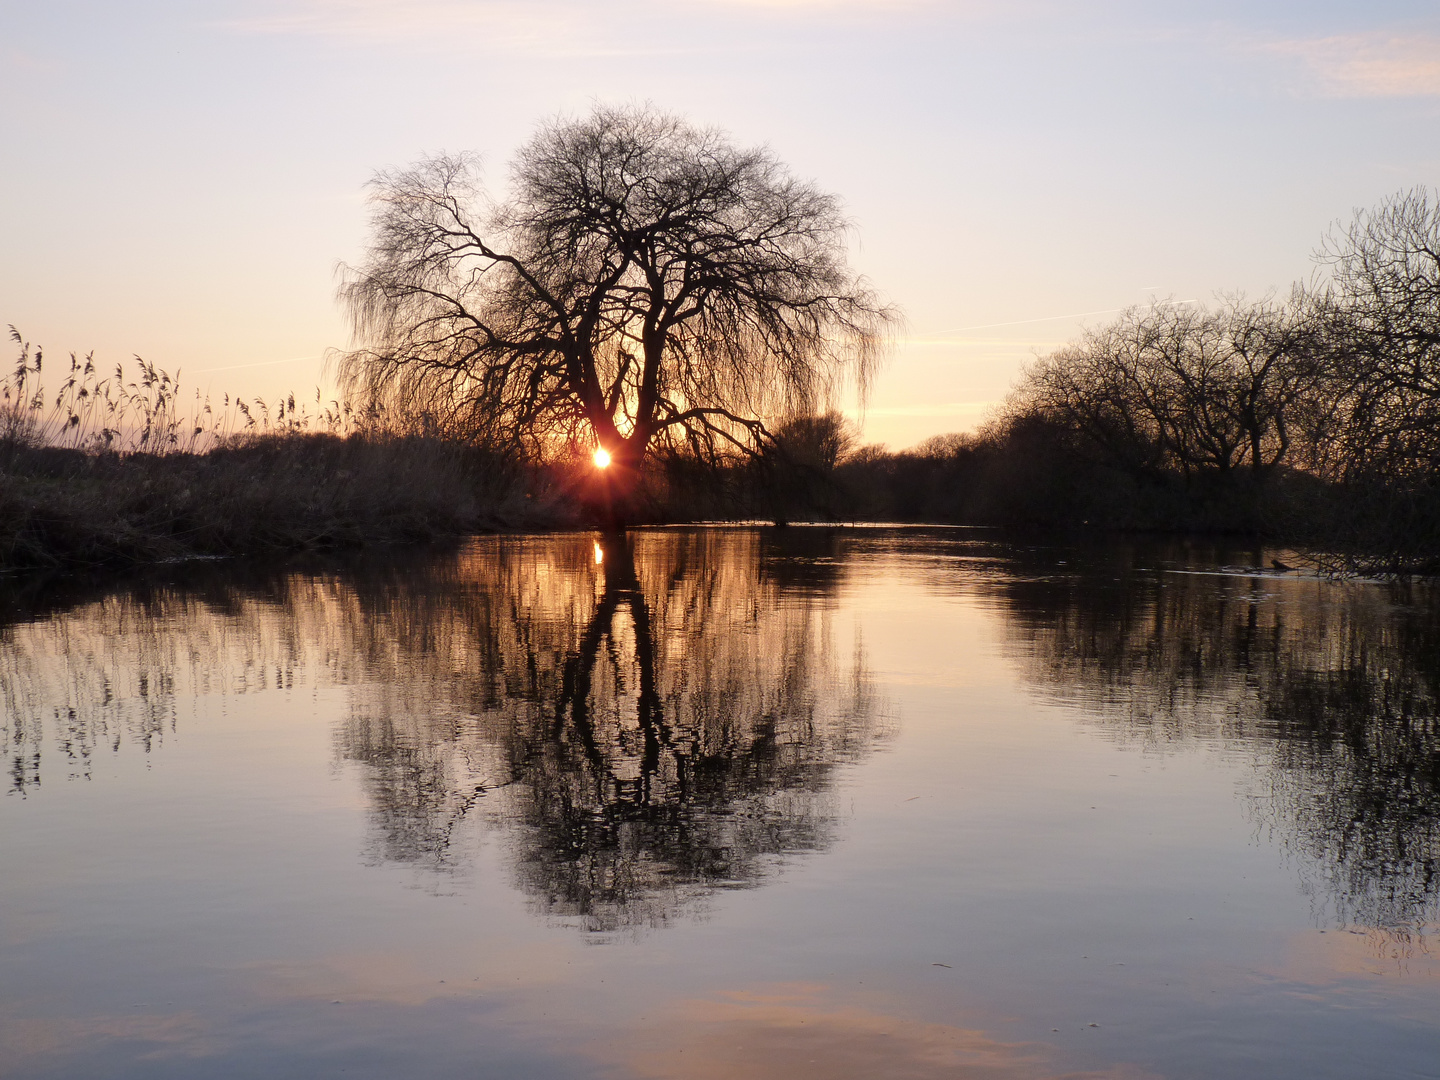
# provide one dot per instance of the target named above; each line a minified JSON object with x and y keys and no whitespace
{"x":720,"y":803}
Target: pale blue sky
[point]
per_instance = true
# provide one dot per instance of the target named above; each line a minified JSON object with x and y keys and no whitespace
{"x":180,"y":179}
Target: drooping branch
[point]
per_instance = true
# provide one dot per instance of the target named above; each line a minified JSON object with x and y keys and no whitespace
{"x":643,"y":274}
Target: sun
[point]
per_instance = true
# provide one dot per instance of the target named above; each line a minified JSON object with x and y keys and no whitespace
{"x":602,"y":458}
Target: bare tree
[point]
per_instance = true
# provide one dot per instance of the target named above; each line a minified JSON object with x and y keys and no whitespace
{"x":1102,"y":387}
{"x":1181,"y":389}
{"x":1382,"y":308}
{"x":646,"y":281}
{"x":1380,"y":384}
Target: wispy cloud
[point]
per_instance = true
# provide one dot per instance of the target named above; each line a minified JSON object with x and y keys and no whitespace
{"x":546,"y":26}
{"x":967,"y":409}
{"x":259,"y":363}
{"x":500,"y":22}
{"x":1366,"y":65}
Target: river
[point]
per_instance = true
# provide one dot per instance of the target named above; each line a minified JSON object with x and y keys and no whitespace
{"x":717,"y":803}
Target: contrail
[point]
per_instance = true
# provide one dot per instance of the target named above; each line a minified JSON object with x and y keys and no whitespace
{"x":262,"y":363}
{"x":1047,"y":318}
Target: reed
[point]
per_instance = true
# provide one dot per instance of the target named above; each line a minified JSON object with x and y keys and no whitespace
{"x":119,"y":468}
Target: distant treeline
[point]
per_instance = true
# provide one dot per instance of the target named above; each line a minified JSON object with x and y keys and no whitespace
{"x":1314,"y":419}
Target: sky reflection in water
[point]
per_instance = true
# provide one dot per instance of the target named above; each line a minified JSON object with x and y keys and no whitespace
{"x":831,"y":803}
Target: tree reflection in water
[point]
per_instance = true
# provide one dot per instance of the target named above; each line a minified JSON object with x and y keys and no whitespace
{"x":642,"y":720}
{"x":1332,"y":689}
{"x":668,"y":721}
{"x":663,"y":717}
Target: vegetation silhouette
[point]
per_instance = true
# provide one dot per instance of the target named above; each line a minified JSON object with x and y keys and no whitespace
{"x":1312,"y":420}
{"x":644,"y":283}
{"x":687,"y":306}
{"x":111,"y":470}
{"x":1315,"y":419}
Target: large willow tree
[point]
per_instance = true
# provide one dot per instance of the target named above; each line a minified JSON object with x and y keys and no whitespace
{"x":645,"y":282}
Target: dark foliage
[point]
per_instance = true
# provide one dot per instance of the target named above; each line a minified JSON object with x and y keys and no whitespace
{"x":66,"y":508}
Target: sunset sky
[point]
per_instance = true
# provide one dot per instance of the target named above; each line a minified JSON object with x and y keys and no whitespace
{"x":181,"y":177}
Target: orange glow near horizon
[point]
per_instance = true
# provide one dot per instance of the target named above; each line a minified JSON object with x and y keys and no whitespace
{"x":602,"y":457}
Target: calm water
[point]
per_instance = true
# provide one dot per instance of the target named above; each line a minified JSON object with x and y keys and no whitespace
{"x":815,"y":803}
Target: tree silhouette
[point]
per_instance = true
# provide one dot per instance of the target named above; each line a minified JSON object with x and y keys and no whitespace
{"x":645,"y":720}
{"x":1178,"y":389}
{"x":645,"y":281}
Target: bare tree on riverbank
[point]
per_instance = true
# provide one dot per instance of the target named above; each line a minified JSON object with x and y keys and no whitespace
{"x":1383,"y":312}
{"x":1182,"y":388}
{"x":646,"y":281}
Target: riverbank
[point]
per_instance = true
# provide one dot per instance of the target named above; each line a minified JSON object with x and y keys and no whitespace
{"x":63,"y":509}
{"x":67,"y":510}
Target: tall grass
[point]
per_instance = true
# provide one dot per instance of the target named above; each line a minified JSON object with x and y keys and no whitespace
{"x":107,"y":469}
{"x":146,"y":411}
